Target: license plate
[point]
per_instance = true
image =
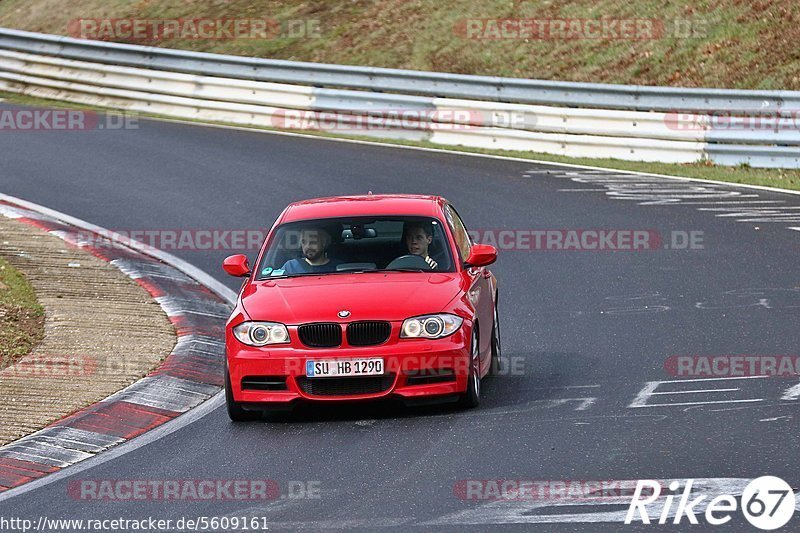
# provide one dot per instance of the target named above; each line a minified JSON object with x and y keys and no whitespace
{"x":344,"y":367}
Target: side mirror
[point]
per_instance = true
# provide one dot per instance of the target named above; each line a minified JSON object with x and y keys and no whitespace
{"x":482,"y":255}
{"x":237,"y":265}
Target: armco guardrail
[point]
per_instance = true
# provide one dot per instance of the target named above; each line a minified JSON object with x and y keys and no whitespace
{"x":575,"y":119}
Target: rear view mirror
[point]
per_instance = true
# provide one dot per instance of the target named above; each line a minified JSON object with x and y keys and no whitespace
{"x":482,"y":255}
{"x":359,"y":232}
{"x":237,"y":265}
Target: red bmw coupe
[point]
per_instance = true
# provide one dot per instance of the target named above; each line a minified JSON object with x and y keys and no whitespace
{"x":359,"y":298}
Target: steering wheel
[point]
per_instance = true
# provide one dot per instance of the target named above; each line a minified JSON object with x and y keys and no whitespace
{"x":409,"y":261}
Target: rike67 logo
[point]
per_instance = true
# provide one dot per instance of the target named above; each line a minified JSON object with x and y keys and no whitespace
{"x":767,"y":502}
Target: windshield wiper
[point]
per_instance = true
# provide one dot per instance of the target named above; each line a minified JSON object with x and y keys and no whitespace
{"x":406,"y":269}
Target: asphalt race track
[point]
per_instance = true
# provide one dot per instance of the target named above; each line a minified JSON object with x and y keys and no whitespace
{"x":586,"y":334}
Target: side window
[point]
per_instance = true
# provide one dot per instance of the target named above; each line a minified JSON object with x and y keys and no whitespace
{"x":459,"y":231}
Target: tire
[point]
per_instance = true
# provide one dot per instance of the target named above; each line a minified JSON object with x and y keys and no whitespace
{"x":497,"y":353}
{"x":472,"y":397}
{"x":235,"y":411}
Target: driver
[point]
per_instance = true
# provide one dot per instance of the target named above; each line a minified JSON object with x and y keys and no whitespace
{"x":418,"y":237}
{"x":314,"y":243}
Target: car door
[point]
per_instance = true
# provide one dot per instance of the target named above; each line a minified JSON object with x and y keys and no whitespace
{"x":481,"y":286}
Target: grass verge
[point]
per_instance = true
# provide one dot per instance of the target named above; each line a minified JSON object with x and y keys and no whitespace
{"x":21,"y":316}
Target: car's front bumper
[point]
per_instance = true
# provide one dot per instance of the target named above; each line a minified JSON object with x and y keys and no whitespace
{"x":415,"y":370}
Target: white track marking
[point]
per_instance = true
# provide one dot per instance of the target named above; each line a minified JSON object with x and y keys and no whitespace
{"x":756,"y":213}
{"x":566,"y":387}
{"x":137,"y":269}
{"x":792,"y":393}
{"x":72,"y":438}
{"x":548,"y":403}
{"x":743,"y":215}
{"x":683,"y":404}
{"x":624,"y":179}
{"x":46,"y":453}
{"x":711,"y":379}
{"x":694,"y":391}
{"x":793,"y":219}
{"x":650,"y":390}
{"x":183,"y":306}
{"x":754,"y":210}
{"x":492,"y":415}
{"x":166,"y":392}
{"x":737,"y":408}
{"x":747,"y":208}
{"x":587,"y":402}
{"x":735,"y":202}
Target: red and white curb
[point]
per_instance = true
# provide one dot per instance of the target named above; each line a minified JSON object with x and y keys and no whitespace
{"x":189,"y":376}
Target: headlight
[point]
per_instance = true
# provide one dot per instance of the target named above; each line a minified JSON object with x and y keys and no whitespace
{"x":430,"y":326}
{"x":261,"y":333}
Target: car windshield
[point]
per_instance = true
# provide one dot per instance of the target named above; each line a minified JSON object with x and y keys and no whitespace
{"x":356,"y":244}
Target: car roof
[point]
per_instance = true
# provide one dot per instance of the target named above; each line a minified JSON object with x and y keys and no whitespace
{"x":364,"y":205}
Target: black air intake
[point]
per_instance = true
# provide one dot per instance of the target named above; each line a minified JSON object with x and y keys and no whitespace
{"x":264,"y":383}
{"x":349,"y":386}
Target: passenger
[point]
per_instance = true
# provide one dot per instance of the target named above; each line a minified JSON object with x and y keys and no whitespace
{"x":418,"y":236}
{"x":314,"y":244}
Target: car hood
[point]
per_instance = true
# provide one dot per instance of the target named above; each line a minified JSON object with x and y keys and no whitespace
{"x":368,"y":296}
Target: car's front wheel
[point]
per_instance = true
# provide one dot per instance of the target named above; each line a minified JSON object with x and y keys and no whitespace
{"x":472,"y":397}
{"x":494,"y":367}
{"x":235,"y":410}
